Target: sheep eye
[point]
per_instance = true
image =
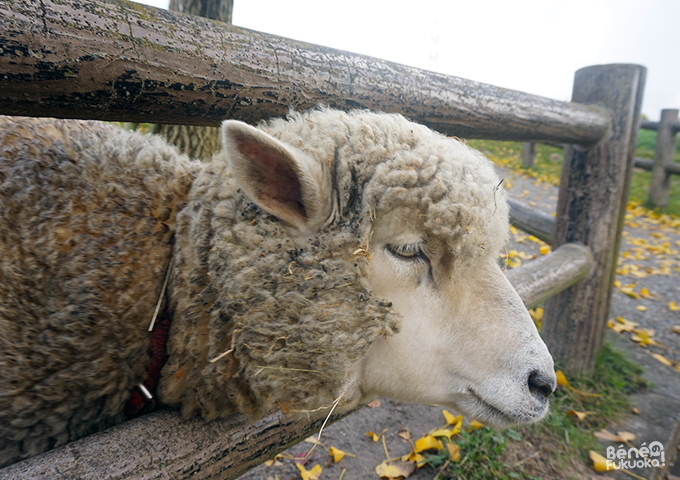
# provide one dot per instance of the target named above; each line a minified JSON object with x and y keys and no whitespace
{"x":409,"y":252}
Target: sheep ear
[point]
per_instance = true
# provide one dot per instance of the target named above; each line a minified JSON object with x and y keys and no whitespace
{"x":279,"y":179}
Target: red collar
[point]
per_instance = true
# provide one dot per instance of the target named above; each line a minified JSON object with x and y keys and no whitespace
{"x":139,"y":402}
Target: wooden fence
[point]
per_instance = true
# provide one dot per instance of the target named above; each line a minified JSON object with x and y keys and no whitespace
{"x":115,"y":60}
{"x":663,"y":165}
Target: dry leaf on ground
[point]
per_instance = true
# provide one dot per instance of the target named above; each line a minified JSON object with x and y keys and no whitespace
{"x":428,"y":442}
{"x":452,"y":419}
{"x":337,"y":454}
{"x":562,"y":379}
{"x":312,"y":474}
{"x":599,"y":462}
{"x":395,"y":469}
{"x":620,"y":437}
{"x":454,"y":451}
{"x":662,"y":359}
{"x":376,"y":438}
{"x":579,"y":415}
{"x":474,"y":425}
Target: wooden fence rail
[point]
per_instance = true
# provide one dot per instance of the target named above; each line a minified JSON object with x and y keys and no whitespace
{"x":663,"y":165}
{"x":119,"y":61}
{"x":114,"y":60}
{"x":533,"y":221}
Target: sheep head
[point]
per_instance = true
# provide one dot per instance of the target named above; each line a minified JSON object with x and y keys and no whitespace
{"x":306,"y":250}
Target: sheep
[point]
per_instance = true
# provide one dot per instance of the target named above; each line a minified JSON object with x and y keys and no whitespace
{"x":324,"y":257}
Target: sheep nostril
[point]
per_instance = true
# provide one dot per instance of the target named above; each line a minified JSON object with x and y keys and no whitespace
{"x":540,"y":386}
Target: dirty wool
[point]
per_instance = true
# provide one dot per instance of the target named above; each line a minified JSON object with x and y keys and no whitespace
{"x":92,"y":217}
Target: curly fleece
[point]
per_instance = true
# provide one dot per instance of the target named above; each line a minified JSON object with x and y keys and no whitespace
{"x":297,"y":316}
{"x":87,"y":211}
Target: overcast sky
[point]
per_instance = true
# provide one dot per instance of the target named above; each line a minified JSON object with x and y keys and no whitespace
{"x":530,"y":45}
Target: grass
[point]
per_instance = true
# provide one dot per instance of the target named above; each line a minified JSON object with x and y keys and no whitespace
{"x":557,"y":447}
{"x":548,"y":165}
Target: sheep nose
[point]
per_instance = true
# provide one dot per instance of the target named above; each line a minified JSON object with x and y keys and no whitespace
{"x":540,"y":385}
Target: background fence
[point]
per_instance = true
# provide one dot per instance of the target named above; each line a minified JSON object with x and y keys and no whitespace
{"x":114,"y":60}
{"x":663,"y":165}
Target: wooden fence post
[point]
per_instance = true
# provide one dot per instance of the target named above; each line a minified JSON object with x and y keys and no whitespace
{"x":528,"y":154}
{"x":664,"y":156}
{"x":590,"y":210}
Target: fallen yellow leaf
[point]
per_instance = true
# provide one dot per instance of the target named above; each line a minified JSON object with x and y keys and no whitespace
{"x":635,"y":410}
{"x":475,"y":425}
{"x":514,"y":263}
{"x":428,"y":442}
{"x":599,"y":462}
{"x":376,"y":438}
{"x":579,"y":415}
{"x":395,"y":469}
{"x":446,"y":432}
{"x":674,"y":307}
{"x":621,"y":327}
{"x":627,"y":322}
{"x":414,"y":457}
{"x":620,"y":437}
{"x":641,"y":308}
{"x":337,"y":454}
{"x":628,"y":290}
{"x":561,"y":379}
{"x":545,"y":249}
{"x":676,"y":329}
{"x":454,"y":451}
{"x":662,"y":359}
{"x":643,"y":337}
{"x":312,"y":474}
{"x":646,"y":293}
{"x":451,"y":419}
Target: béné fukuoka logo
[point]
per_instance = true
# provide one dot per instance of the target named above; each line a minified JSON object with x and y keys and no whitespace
{"x":643,"y":457}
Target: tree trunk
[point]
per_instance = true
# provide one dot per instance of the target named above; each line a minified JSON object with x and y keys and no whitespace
{"x":194,"y":141}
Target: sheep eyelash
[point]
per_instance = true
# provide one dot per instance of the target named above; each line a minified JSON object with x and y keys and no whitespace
{"x":408,"y":252}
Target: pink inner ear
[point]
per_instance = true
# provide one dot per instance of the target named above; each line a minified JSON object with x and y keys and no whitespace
{"x":276,"y":182}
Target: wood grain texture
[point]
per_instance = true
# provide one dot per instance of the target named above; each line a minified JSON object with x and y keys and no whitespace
{"x":546,"y":276}
{"x":532,"y":221}
{"x":664,"y":159}
{"x":162,"y":445}
{"x":119,"y":61}
{"x":591,"y":205}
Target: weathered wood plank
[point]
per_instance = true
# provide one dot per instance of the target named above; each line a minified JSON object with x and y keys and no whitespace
{"x":116,"y":60}
{"x":162,"y":445}
{"x":542,"y":278}
{"x":664,"y":157}
{"x":528,"y":154}
{"x":531,"y":220}
{"x":591,"y":205}
{"x":643,"y":163}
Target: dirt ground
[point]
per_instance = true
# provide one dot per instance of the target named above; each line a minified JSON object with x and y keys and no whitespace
{"x":653,"y":263}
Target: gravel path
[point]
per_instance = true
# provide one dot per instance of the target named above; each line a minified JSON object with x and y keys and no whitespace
{"x":650,"y":252}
